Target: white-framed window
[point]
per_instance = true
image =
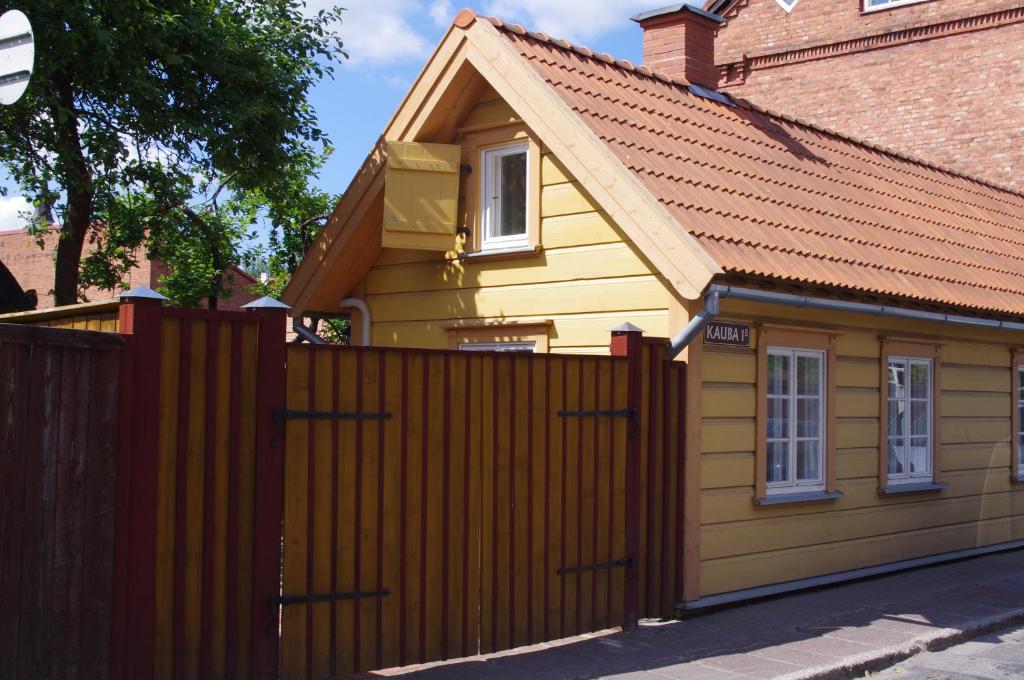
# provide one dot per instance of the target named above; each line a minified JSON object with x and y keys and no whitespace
{"x":875,"y":5}
{"x":525,"y":347}
{"x":910,"y":412}
{"x":796,"y":420}
{"x":1020,"y":421}
{"x":505,"y":197}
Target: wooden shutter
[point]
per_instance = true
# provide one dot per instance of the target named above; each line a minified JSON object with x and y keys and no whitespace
{"x":421,"y":196}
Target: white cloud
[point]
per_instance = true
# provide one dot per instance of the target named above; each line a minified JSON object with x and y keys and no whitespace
{"x":380,"y":32}
{"x":14,"y":212}
{"x":569,"y":19}
{"x":441,"y":12}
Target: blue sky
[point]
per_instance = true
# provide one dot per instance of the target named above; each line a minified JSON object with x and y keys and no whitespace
{"x":390,"y":40}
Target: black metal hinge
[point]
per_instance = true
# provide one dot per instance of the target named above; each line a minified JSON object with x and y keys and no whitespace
{"x":619,"y":413}
{"x":624,"y":562}
{"x":281,"y":416}
{"x":329,"y":597}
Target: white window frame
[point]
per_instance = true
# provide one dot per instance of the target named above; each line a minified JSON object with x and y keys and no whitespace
{"x":525,"y":346}
{"x":1020,"y":423}
{"x":907,"y":477}
{"x":790,"y":6}
{"x":868,"y":7}
{"x":490,"y":213}
{"x":793,"y":485}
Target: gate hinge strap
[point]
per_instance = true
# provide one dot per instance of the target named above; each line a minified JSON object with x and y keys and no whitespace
{"x":624,"y":562}
{"x":330,"y":597}
{"x":283,"y":415}
{"x":618,"y":413}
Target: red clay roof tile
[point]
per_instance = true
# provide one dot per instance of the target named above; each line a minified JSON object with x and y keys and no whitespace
{"x":771,"y":197}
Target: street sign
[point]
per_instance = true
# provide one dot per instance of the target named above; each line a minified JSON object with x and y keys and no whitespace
{"x":727,"y":333}
{"x":17,"y":52}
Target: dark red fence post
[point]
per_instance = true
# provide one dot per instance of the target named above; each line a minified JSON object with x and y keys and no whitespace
{"x":133,"y":619}
{"x":626,"y":342}
{"x":269,"y":483}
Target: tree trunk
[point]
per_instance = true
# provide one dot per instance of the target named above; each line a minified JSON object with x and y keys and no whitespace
{"x":79,"y":187}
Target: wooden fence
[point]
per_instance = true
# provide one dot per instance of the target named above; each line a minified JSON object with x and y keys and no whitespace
{"x":58,"y":408}
{"x":302,"y":511}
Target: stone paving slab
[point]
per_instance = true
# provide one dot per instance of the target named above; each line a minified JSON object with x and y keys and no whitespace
{"x":834,"y":632}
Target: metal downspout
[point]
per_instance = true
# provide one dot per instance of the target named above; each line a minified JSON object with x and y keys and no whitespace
{"x":696,"y":325}
{"x":357,"y":303}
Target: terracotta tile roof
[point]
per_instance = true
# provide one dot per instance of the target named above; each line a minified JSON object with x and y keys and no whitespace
{"x":773,"y":197}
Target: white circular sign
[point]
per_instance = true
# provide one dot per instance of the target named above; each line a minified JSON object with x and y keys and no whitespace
{"x":17,"y":50}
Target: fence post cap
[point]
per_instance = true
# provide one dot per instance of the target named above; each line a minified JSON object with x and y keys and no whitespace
{"x":627,"y":327}
{"x":266,"y":302}
{"x":143,"y":293}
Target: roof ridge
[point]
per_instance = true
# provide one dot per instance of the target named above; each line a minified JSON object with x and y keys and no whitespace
{"x":465,"y":18}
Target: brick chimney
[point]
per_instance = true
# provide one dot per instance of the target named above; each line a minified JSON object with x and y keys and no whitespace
{"x":679,"y":41}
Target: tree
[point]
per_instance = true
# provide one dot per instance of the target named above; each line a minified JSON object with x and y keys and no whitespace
{"x":133,"y":100}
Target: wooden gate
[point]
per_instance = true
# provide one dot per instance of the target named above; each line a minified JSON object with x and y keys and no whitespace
{"x":442,"y":504}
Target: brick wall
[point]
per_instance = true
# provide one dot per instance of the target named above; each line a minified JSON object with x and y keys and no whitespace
{"x":758,"y":27}
{"x":956,"y":99}
{"x":32,"y":266}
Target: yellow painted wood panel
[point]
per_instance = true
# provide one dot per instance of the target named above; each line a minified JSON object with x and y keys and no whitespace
{"x":579,"y":229}
{"x":857,"y":463}
{"x":864,"y":345}
{"x":604,"y":295}
{"x":857,"y":372}
{"x":975,"y":378}
{"x":167,"y":453}
{"x":736,"y":573}
{"x":732,"y":367}
{"x":565,"y":199}
{"x":721,"y":506}
{"x":565,"y":264}
{"x":760,"y":536}
{"x":975,"y":353}
{"x":971,"y":430}
{"x":728,"y":400}
{"x":856,"y":402}
{"x":975,"y":404}
{"x":727,"y":435}
{"x":727,"y":470}
{"x":566,"y":331}
{"x":490,"y":114}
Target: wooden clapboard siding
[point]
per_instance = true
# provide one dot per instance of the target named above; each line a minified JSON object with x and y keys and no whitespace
{"x":93,"y":316}
{"x":205,"y":504}
{"x":59,"y":406}
{"x":742,"y":545}
{"x":586,"y":278}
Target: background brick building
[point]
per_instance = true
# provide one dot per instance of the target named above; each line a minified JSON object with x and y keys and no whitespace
{"x":939,"y":79}
{"x":33,"y":268}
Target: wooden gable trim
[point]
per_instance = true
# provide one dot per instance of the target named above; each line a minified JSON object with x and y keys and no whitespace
{"x":431,"y":109}
{"x":671,"y":249}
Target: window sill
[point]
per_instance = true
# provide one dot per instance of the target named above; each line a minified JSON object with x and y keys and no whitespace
{"x":917,"y":487}
{"x":497,"y":254}
{"x":799,"y":497}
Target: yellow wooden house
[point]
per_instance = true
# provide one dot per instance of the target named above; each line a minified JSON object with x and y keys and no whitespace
{"x":851,"y":317}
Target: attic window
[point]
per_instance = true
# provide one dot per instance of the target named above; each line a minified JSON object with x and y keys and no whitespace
{"x":504,"y":191}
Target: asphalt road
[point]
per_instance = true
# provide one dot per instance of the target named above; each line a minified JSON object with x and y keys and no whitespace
{"x":996,"y":656}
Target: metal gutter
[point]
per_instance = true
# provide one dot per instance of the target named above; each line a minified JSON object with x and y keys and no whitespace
{"x":364,"y":309}
{"x":798,"y":301}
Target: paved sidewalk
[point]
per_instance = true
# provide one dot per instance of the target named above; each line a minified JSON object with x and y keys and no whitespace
{"x":835,"y":632}
{"x":994,"y":656}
